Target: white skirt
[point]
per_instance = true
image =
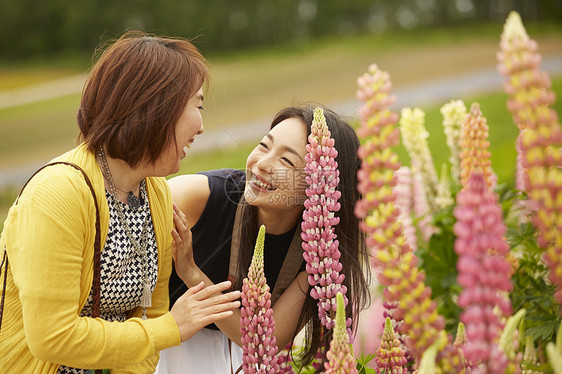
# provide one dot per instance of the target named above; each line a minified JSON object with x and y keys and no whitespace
{"x":206,"y":352}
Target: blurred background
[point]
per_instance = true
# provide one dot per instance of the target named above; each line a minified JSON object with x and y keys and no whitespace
{"x":265,"y":55}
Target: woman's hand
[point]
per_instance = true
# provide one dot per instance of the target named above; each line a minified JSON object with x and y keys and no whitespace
{"x":182,"y":251}
{"x":201,"y":305}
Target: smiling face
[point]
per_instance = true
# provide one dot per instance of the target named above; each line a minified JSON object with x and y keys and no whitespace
{"x":189,"y":125}
{"x":275,"y":177}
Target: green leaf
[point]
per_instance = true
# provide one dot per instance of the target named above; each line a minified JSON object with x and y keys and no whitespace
{"x":362,"y":362}
{"x":544,"y":331}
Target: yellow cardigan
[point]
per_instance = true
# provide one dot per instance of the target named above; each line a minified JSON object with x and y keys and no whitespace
{"x":49,"y":237}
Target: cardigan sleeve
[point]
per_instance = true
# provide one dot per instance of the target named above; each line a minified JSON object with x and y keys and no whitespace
{"x":48,"y":241}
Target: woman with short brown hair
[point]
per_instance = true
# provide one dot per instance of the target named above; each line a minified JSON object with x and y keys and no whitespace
{"x":139,"y":113}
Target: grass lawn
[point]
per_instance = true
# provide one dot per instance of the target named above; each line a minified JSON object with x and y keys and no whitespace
{"x":39,"y":131}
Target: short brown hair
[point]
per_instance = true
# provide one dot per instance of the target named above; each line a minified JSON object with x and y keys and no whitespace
{"x":135,"y":94}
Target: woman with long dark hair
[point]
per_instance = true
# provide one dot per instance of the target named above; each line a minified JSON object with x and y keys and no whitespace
{"x":224,"y":209}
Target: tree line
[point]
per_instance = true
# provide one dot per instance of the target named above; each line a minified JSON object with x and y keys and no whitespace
{"x":31,"y":28}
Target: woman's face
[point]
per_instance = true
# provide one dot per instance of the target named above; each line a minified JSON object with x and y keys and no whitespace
{"x":275,"y":176}
{"x":189,"y":125}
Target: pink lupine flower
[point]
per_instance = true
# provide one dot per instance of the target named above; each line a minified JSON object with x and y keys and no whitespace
{"x":483,"y":271}
{"x":393,"y":258}
{"x":390,"y":356}
{"x":256,"y":317}
{"x":454,"y":115}
{"x":391,"y":311}
{"x":376,"y":177}
{"x":519,"y":60}
{"x":414,"y":139}
{"x":404,"y":202}
{"x":456,"y":350}
{"x":320,"y":242}
{"x":284,"y":361}
{"x":318,"y":358}
{"x":475,"y":146}
{"x":340,"y":358}
{"x":460,"y":338}
{"x":420,"y":321}
{"x":539,"y":141}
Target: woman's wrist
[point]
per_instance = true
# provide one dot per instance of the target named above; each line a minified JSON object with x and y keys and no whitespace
{"x":191,"y":276}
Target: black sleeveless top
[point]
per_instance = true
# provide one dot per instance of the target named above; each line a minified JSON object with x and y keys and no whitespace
{"x":212,"y":234}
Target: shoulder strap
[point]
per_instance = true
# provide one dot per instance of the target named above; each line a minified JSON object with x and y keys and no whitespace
{"x":4,"y":259}
{"x":235,"y":244}
{"x":289,"y":269}
{"x":291,"y":266}
{"x":97,"y":245}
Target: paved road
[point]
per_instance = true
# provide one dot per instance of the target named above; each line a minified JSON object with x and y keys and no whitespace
{"x":436,"y":91}
{"x":43,"y":91}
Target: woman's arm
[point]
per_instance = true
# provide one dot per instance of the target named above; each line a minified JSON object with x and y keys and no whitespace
{"x":286,"y":310}
{"x":190,"y":193}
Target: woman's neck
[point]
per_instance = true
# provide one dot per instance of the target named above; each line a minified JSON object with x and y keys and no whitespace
{"x":124,"y":177}
{"x":278,"y":222}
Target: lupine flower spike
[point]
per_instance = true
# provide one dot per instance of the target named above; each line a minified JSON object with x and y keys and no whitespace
{"x":389,"y":311}
{"x":509,"y":342}
{"x":530,"y":358}
{"x":414,"y":139}
{"x":340,"y":357}
{"x":393,"y":258}
{"x":475,"y":146}
{"x":459,"y":343}
{"x":539,"y":141}
{"x":317,"y":363}
{"x":284,"y":361}
{"x":390,"y":356}
{"x":460,"y":338}
{"x":376,"y":177}
{"x":256,"y":318}
{"x":454,"y":115}
{"x":320,"y":242}
{"x":483,"y":272}
{"x":444,"y":198}
{"x":427,"y":362}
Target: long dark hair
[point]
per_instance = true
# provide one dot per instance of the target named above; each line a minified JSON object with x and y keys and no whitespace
{"x":351,"y":240}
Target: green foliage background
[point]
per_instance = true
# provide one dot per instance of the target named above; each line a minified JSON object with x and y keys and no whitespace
{"x":46,"y":29}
